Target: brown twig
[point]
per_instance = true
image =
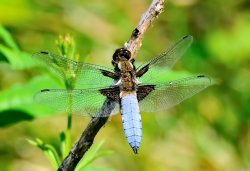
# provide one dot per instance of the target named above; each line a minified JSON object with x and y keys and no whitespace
{"x":88,"y":135}
{"x":135,"y":41}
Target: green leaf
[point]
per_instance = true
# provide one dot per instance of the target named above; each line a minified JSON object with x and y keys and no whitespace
{"x":11,"y":52}
{"x":10,"y":117}
{"x":48,"y":150}
{"x":92,"y":155}
{"x":7,"y":38}
{"x":20,"y":97}
{"x":17,"y":59}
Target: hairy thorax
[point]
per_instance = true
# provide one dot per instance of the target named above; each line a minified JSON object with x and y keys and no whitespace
{"x":127,"y":76}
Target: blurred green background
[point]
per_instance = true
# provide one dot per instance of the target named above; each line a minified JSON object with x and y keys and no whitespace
{"x":208,"y":132}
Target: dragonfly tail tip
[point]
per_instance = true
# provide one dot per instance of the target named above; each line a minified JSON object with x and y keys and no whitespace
{"x":135,"y":149}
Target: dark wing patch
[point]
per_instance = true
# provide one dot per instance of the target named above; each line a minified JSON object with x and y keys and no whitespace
{"x":109,"y":74}
{"x":143,"y":91}
{"x":142,"y":71}
{"x":111,"y":93}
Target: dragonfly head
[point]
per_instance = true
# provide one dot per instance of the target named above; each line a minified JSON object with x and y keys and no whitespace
{"x":121,"y":54}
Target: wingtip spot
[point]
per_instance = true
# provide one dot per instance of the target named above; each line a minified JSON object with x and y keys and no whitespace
{"x":43,"y":52}
{"x":201,"y":76}
{"x":45,"y":90}
{"x":188,"y":37}
{"x":206,"y":77}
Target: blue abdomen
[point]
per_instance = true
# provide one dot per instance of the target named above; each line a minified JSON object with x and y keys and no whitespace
{"x":131,"y":120}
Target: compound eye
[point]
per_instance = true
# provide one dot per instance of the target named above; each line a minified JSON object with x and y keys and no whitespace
{"x":121,"y":53}
{"x":116,"y":54}
{"x":126,"y":54}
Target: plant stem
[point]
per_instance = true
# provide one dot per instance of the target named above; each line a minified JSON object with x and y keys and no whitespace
{"x":68,"y":136}
{"x":66,"y":47}
{"x":68,"y":130}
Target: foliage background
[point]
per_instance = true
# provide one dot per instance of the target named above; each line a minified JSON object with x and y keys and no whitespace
{"x":209,"y":132}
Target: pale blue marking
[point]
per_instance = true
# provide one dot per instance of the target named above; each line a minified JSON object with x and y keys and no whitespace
{"x":131,"y":120}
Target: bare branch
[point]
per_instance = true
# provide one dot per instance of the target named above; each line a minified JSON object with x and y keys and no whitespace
{"x":135,"y":41}
{"x":88,"y":135}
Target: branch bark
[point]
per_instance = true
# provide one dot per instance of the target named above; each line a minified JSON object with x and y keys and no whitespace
{"x":135,"y":41}
{"x":96,"y":123}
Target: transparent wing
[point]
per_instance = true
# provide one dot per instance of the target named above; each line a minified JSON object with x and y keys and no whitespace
{"x":167,"y":95}
{"x":85,"y":74}
{"x":165,"y":60}
{"x":87,"y":102}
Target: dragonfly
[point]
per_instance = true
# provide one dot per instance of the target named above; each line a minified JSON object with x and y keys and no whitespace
{"x":100,"y":91}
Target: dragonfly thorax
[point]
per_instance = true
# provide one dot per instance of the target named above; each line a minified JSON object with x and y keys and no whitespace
{"x":126,"y":82}
{"x":125,"y":66}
